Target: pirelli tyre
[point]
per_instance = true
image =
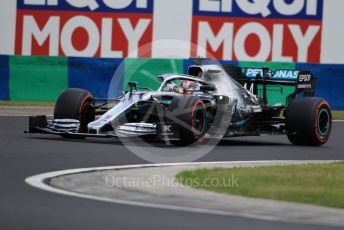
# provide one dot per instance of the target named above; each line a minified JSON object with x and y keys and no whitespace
{"x":190,"y":115}
{"x":76,"y":104}
{"x":308,"y":121}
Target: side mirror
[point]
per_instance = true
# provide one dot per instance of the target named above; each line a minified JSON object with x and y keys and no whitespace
{"x":132,"y":85}
{"x":161,"y":78}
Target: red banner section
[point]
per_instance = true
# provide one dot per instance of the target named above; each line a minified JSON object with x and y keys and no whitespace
{"x":243,"y":30}
{"x":269,"y":30}
{"x":83,"y":33}
{"x":257,"y":39}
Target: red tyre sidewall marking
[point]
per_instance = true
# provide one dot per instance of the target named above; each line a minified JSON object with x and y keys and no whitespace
{"x":82,"y":104}
{"x":198,"y":102}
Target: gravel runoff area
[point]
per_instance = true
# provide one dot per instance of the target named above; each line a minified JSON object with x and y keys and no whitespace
{"x":156,"y":186}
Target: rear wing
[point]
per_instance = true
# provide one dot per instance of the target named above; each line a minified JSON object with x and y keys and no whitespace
{"x":303,"y":81}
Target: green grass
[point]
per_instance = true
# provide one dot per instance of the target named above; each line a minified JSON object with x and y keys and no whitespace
{"x":319,"y":184}
{"x":338,"y":115}
{"x":26,"y":103}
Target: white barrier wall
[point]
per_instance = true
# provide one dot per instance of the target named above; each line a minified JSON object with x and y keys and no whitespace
{"x":8,"y":11}
{"x":332,"y":47}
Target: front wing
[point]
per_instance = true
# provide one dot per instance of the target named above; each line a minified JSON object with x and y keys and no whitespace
{"x":67,"y":128}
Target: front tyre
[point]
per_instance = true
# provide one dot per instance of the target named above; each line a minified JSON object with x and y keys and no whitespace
{"x":309,"y":121}
{"x":75,"y":104}
{"x":190,"y":115}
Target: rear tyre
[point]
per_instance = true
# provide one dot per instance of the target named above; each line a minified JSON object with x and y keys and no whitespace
{"x":191,"y":117}
{"x":308,"y":121}
{"x":76,"y":104}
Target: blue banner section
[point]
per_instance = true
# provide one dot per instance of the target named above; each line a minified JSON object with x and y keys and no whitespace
{"x":278,"y":9}
{"x":4,"y":77}
{"x":96,"y":75}
{"x":330,"y":85}
{"x":128,"y":6}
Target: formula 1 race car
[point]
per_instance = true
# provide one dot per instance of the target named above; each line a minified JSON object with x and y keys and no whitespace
{"x":210,"y":101}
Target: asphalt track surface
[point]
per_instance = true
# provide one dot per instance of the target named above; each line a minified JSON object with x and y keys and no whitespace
{"x":25,"y":207}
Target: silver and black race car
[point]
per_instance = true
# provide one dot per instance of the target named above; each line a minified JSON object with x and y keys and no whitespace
{"x":210,"y":101}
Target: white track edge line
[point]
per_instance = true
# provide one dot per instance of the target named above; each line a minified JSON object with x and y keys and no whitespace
{"x":38,"y":181}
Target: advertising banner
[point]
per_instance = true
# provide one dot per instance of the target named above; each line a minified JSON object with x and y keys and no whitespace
{"x":267,"y":30}
{"x":243,"y":30}
{"x":87,"y":28}
{"x":92,"y":38}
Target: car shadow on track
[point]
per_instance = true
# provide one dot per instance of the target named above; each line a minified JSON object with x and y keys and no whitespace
{"x":112,"y":141}
{"x":233,"y":142}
